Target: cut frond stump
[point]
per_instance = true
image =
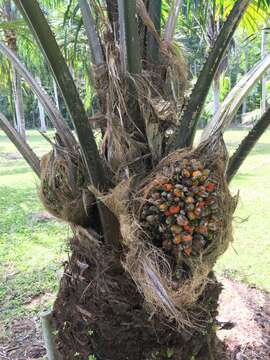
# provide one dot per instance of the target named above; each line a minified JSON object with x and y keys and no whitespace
{"x":179,"y":222}
{"x":63,"y":188}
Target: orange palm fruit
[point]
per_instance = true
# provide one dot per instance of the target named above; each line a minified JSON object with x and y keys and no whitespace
{"x":202,"y":229}
{"x":188,"y":251}
{"x":174,"y":209}
{"x":187,"y":237}
{"x":168,"y":187}
{"x":196,"y":174}
{"x":163,"y":207}
{"x":177,"y":239}
{"x":189,"y":200}
{"x":185,"y":173}
{"x":178,"y":193}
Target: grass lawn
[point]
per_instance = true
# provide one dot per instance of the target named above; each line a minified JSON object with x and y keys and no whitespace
{"x":248,"y":258}
{"x":31,"y":251}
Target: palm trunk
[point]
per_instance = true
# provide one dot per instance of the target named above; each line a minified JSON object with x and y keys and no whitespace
{"x":114,"y":324}
{"x":18,"y":100}
{"x":153,"y":47}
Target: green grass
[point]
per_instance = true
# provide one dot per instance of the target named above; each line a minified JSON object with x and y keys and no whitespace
{"x":248,"y":258}
{"x":31,"y":252}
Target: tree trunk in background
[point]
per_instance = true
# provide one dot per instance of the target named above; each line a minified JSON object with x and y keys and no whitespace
{"x":244,"y":107}
{"x":11,"y":40}
{"x":41,"y":111}
{"x":43,"y":126}
{"x":263,"y":53}
{"x":18,"y":100}
{"x":55,"y":92}
{"x":216,"y":91}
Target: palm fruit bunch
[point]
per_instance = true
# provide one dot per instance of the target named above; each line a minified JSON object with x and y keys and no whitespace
{"x":181,"y":214}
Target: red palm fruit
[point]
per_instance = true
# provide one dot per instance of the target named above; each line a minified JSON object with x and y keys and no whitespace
{"x":210,"y":187}
{"x":188,"y":229}
{"x":168,"y":187}
{"x":200,"y":204}
{"x":174,"y":209}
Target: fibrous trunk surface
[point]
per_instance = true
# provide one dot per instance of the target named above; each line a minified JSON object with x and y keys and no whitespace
{"x":100,"y":312}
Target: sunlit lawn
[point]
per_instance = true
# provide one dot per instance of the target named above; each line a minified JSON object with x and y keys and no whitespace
{"x":31,"y":251}
{"x":248,"y":259}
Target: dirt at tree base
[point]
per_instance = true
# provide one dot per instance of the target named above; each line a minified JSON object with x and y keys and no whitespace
{"x":21,"y":340}
{"x":246,"y":309}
